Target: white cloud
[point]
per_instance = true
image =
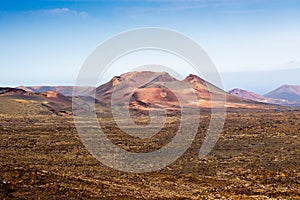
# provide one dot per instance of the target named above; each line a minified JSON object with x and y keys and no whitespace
{"x":61,"y":12}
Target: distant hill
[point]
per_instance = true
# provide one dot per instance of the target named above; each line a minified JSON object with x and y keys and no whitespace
{"x":16,"y":101}
{"x":259,"y":98}
{"x":288,"y":92}
{"x":262,"y":81}
{"x":140,"y":91}
{"x":8,"y":91}
{"x":147,"y":88}
{"x":65,"y":90}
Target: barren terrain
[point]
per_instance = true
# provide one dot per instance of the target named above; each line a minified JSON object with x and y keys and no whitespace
{"x":42,"y":157}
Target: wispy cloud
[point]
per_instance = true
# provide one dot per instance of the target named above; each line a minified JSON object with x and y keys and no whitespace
{"x":223,"y":7}
{"x":243,"y":11}
{"x":60,"y":12}
{"x":186,"y":5}
{"x":172,"y":6}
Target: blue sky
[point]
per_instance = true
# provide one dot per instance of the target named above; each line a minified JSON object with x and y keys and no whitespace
{"x":46,"y":41}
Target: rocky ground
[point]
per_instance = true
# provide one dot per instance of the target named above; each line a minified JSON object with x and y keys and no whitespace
{"x":256,"y":157}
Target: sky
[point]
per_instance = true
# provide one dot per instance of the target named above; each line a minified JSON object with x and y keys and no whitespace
{"x":45,"y":42}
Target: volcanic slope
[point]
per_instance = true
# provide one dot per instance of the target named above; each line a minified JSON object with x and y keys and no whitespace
{"x":147,"y":89}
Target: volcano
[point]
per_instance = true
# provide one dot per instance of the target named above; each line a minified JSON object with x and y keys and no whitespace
{"x":146,"y":89}
{"x":287,"y":92}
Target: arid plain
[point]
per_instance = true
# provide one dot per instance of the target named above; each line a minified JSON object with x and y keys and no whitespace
{"x":42,"y":156}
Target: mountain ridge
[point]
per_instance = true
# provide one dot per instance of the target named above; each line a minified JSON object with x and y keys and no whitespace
{"x":245,"y":94}
{"x":147,"y":89}
{"x":65,"y":90}
{"x":288,"y":92}
{"x":151,"y":88}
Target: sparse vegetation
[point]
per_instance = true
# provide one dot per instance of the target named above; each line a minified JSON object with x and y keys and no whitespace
{"x":257,"y":157}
